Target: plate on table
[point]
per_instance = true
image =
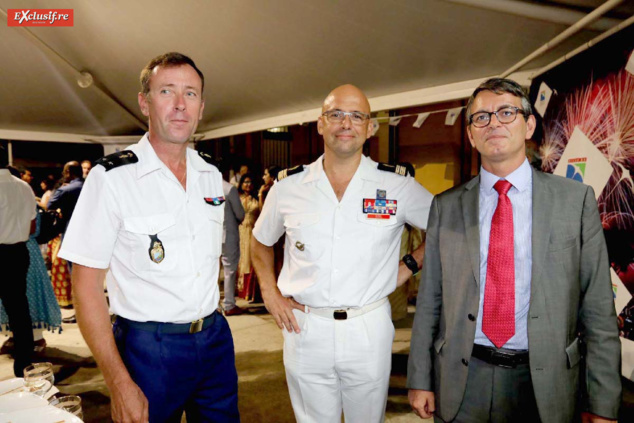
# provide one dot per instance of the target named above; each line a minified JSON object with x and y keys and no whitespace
{"x":11,"y":385}
{"x":46,"y":414}
{"x":20,"y":401}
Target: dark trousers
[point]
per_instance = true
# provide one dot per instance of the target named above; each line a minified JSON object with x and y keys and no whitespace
{"x":14,"y":262}
{"x":195,"y":373}
{"x":497,"y":395}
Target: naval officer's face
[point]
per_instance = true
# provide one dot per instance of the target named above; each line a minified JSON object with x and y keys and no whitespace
{"x":345,"y":137}
{"x":174,"y":104}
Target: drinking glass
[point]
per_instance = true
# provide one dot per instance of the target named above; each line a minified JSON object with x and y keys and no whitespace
{"x":39,"y":378}
{"x":70,"y":403}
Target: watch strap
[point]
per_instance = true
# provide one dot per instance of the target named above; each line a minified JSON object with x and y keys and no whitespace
{"x":410,"y":262}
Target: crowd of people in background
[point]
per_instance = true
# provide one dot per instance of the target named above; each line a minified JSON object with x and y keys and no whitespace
{"x":252,"y":199}
{"x":48,"y":277}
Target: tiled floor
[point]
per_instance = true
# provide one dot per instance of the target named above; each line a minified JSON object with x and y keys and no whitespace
{"x":262,"y":386}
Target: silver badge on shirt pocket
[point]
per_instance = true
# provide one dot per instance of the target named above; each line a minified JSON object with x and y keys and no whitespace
{"x":157,"y":252}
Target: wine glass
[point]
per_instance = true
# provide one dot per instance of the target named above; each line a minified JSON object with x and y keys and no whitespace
{"x":39,"y":378}
{"x":70,"y":403}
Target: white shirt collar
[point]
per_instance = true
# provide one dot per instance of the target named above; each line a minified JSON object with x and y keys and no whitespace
{"x":367,"y":170}
{"x":149,"y":161}
{"x":520,"y":178}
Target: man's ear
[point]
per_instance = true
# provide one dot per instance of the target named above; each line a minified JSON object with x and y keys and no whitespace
{"x":144,"y":104}
{"x":531,"y":123}
{"x":370,"y":129}
{"x":320,"y":125}
{"x":470,"y":136}
{"x":202,"y":108}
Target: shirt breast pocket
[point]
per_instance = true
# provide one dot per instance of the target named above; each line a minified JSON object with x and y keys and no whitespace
{"x":142,"y":233}
{"x":302,"y":231}
{"x":215,"y":216}
{"x":380,"y":231}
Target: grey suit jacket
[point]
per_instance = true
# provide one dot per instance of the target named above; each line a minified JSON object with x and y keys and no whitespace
{"x":234,"y":215}
{"x":571,"y":293}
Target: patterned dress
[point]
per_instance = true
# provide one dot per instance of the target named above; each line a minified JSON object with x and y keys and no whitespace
{"x":45,"y":313}
{"x":247,"y":282}
{"x":60,"y":274}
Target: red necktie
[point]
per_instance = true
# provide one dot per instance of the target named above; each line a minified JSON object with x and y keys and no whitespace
{"x":498,"y":318}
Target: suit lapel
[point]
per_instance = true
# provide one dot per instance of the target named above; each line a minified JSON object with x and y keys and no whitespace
{"x":470,"y":212}
{"x":542,"y":212}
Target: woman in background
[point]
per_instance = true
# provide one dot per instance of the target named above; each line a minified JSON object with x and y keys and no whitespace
{"x":47,"y":187}
{"x":247,"y":283}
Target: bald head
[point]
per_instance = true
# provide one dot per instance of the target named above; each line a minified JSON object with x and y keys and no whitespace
{"x":345,"y":123}
{"x":72,"y":170}
{"x":347,"y":94}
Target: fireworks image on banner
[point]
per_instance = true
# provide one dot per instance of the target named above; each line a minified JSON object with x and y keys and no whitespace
{"x":604,"y":111}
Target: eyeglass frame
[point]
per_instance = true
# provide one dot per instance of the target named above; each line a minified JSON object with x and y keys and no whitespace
{"x":366,"y":116}
{"x":518,"y":110}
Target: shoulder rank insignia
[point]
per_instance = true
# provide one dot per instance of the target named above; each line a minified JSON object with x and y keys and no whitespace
{"x":117,"y":159}
{"x":289,"y":171}
{"x":399,"y":169}
{"x":207,"y":157}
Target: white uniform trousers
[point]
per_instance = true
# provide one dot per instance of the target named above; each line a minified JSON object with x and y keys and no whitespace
{"x":340,"y":364}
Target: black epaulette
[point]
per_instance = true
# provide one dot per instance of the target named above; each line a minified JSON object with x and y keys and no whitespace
{"x":207,"y":157}
{"x":398,"y":169}
{"x":290,"y":171}
{"x":117,"y":159}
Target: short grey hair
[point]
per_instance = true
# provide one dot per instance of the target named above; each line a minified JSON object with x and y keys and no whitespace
{"x":501,"y":86}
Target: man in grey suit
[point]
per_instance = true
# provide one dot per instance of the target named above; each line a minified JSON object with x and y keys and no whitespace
{"x":515,"y":287}
{"x":234,"y":215}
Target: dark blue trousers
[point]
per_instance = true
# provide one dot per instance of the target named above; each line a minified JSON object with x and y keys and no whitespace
{"x":195,"y":373}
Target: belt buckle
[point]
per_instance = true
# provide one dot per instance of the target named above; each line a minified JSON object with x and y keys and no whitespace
{"x":196,"y":326}
{"x":502,"y":359}
{"x":340,"y":314}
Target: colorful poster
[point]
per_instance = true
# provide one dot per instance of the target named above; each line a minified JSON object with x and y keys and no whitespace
{"x":583,"y":162}
{"x":587,"y":134}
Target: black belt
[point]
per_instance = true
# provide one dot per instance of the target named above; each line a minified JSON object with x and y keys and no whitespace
{"x":171,"y":328}
{"x":501,"y":358}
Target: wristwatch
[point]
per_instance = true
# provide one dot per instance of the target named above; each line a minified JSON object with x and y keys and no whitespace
{"x":410,"y":262}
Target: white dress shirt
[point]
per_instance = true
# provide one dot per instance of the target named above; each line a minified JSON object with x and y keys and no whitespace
{"x":337,"y":255}
{"x":117,"y":212}
{"x":17,"y":208}
{"x":521,"y":196}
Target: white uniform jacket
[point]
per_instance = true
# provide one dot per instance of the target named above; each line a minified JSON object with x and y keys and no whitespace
{"x":341,"y":254}
{"x":118,"y":213}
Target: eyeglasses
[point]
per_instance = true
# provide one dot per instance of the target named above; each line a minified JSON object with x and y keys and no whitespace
{"x":338,"y":116}
{"x":504,"y":115}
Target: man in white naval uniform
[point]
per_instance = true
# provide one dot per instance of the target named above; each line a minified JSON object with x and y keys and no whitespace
{"x":343,"y":217}
{"x":152,"y":215}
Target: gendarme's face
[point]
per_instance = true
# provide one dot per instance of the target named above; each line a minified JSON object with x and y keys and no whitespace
{"x":345,"y":138}
{"x":500,"y":142}
{"x":174,"y":104}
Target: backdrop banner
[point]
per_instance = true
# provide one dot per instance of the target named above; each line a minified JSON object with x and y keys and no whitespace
{"x":585,"y":132}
